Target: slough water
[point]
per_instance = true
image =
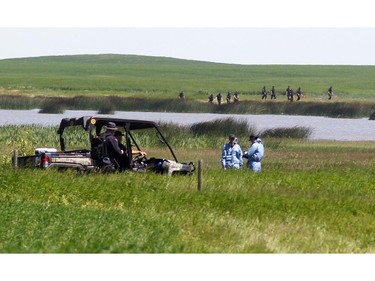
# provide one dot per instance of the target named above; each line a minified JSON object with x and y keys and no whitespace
{"x":323,"y":128}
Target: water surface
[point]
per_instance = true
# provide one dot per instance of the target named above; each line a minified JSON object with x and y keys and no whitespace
{"x":323,"y":128}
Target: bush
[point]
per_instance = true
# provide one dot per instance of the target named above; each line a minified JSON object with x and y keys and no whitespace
{"x":106,"y":108}
{"x":53,"y":105}
{"x":222,"y":127}
{"x":294,"y":133}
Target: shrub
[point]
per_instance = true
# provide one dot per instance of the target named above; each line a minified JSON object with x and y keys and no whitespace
{"x":106,"y":108}
{"x":222,"y":127}
{"x":294,"y":133}
{"x":53,"y":106}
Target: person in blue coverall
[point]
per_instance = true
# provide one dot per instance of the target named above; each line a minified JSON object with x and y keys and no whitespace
{"x":255,"y":154}
{"x":231,"y":156}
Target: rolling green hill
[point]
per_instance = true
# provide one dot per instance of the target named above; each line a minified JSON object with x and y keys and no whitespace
{"x":165,"y":77}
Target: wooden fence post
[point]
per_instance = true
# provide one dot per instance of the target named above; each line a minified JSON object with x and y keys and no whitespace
{"x":15,"y":156}
{"x":200,"y":177}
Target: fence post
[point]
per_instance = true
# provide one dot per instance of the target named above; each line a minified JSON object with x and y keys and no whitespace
{"x":15,"y":156}
{"x":200,"y":178}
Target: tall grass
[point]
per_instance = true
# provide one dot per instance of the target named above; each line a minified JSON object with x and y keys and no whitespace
{"x":296,"y":132}
{"x":52,"y":105}
{"x":221,"y":127}
{"x":110,"y":104}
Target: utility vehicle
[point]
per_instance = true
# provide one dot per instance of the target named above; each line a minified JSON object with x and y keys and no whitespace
{"x":93,"y":155}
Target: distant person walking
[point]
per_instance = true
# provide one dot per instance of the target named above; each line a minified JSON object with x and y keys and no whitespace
{"x":291,"y":95}
{"x":219,"y":97}
{"x":299,"y":94}
{"x":273,"y":93}
{"x":330,"y":93}
{"x":287,"y":92}
{"x":255,"y":154}
{"x":236,"y":97}
{"x":229,"y":96}
{"x":181,"y":95}
{"x":264,"y":93}
{"x":231,"y":155}
{"x":211,"y":98}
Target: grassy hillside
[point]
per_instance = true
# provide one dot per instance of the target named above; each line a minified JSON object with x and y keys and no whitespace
{"x":165,"y":77}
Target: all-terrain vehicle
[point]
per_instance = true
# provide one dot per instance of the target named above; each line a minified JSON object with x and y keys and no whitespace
{"x":94,"y":157}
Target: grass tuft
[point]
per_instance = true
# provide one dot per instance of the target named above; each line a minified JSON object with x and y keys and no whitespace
{"x":296,"y":132}
{"x":222,"y":128}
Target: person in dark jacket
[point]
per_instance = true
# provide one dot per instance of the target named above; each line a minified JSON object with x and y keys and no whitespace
{"x":118,"y":135}
{"x":114,"y":151}
{"x":219,"y":97}
{"x":287,"y":92}
{"x":229,"y":96}
{"x":264,"y":93}
{"x":330,"y":93}
{"x":299,"y":94}
{"x":273,"y":93}
{"x":123,"y":159}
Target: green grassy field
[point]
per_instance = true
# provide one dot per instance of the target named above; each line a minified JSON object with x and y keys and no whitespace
{"x":109,"y":83}
{"x":159,"y":77}
{"x":311,"y":197}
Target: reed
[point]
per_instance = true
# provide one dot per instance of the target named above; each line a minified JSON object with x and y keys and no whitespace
{"x":106,"y":108}
{"x":110,"y":104}
{"x":296,"y":132}
{"x":53,"y":105}
{"x":19,"y":102}
{"x":222,"y":128}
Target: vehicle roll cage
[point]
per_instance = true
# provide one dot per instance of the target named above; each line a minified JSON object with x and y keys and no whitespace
{"x":94,"y":125}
